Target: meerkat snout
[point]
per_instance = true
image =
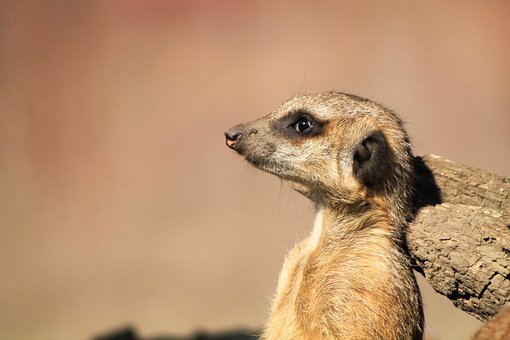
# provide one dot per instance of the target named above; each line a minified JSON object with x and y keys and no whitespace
{"x":232,"y":138}
{"x":237,"y":135}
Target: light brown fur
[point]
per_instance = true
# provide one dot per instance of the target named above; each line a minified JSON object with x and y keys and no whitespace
{"x":352,"y":278}
{"x":497,"y":328}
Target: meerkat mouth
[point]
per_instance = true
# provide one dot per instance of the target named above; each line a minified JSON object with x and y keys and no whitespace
{"x":279,"y":169}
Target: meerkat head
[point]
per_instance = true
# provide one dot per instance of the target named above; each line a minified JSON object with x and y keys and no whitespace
{"x":330,"y":146}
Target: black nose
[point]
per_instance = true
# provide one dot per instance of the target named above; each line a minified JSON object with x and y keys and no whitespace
{"x":233,"y":137}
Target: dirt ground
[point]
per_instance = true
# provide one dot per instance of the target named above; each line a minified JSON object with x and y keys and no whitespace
{"x":120,"y":203}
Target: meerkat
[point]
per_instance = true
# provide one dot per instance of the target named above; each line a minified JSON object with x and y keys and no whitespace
{"x":352,"y":277}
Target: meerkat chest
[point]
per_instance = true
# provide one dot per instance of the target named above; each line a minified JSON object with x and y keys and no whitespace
{"x":328,"y":286}
{"x":330,"y":299}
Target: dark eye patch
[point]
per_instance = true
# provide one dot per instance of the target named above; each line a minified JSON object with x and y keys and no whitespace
{"x":299,"y":124}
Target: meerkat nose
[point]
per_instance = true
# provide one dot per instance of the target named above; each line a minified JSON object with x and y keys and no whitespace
{"x":233,"y":137}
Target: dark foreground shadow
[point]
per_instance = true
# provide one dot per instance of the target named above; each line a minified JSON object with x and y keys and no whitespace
{"x":129,"y":333}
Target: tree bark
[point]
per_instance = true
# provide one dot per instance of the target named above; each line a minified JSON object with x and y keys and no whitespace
{"x":460,"y":236}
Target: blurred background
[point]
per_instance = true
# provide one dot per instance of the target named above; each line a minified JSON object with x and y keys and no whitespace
{"x":120,"y":203}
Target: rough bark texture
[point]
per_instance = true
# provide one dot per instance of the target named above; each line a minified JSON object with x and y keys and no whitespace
{"x":460,"y":237}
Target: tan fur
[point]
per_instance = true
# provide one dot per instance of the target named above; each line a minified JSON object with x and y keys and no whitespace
{"x":351,"y":279}
{"x":497,"y":328}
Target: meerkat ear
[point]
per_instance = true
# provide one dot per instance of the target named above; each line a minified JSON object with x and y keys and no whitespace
{"x":371,"y":158}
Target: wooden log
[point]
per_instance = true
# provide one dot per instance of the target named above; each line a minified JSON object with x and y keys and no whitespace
{"x":460,"y":236}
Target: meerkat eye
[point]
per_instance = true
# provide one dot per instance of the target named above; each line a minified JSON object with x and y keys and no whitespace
{"x":303,"y":124}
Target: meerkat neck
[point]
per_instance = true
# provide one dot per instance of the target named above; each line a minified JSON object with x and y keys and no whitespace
{"x":317,"y":229}
{"x":353,"y":221}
